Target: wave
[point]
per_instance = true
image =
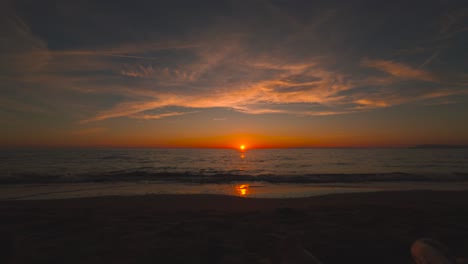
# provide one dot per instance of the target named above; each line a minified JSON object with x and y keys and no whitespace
{"x":188,"y":177}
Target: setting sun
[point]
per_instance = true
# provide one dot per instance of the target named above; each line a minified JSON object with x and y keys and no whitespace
{"x":242,"y":189}
{"x":242,"y":147}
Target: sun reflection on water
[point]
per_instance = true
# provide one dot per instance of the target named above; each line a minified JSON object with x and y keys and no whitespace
{"x":243,"y":189}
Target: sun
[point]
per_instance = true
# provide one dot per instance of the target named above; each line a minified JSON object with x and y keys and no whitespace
{"x":242,"y":147}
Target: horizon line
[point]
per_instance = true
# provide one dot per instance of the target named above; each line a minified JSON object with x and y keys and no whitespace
{"x":235,"y":148}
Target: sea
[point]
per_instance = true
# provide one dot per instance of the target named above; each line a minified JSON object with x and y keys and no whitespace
{"x":76,"y":172}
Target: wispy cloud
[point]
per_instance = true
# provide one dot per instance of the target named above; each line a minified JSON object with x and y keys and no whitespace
{"x":430,"y":59}
{"x":454,"y":22}
{"x":253,"y":92}
{"x":159,"y":116}
{"x":267,"y":87}
{"x":159,"y":73}
{"x":21,"y":52}
{"x":399,"y":70}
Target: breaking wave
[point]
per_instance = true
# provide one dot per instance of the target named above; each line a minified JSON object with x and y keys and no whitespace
{"x":138,"y":176}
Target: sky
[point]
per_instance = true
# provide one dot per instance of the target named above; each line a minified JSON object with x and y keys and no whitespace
{"x":263,"y":73}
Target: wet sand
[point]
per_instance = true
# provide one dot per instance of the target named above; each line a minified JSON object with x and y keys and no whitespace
{"x":340,"y":228}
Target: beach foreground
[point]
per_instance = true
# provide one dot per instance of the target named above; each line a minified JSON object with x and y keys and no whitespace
{"x":357,"y":228}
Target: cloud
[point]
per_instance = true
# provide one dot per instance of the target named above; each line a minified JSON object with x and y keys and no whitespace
{"x":240,"y":66}
{"x":329,"y":113}
{"x":430,"y":59}
{"x":159,"y":116}
{"x":389,"y":96}
{"x":253,"y":92}
{"x":159,"y":73}
{"x":372,"y":103}
{"x":454,"y":22}
{"x":399,"y":70}
{"x":21,"y":52}
{"x":272,"y":86}
{"x":136,"y":50}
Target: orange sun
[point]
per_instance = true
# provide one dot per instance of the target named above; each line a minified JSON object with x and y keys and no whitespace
{"x":242,"y":147}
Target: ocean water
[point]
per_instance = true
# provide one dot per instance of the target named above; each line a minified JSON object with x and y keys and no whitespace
{"x":228,"y":165}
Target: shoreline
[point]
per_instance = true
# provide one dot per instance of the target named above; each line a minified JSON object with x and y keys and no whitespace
{"x":363,"y":227}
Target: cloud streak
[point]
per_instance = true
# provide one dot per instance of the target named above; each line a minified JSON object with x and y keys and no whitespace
{"x":399,"y":70}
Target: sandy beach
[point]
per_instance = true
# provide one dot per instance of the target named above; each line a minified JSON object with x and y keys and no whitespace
{"x":359,"y":228}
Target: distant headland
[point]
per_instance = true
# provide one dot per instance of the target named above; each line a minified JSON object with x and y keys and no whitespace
{"x":436,"y":146}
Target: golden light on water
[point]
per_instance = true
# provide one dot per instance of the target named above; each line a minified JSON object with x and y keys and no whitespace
{"x":242,"y":190}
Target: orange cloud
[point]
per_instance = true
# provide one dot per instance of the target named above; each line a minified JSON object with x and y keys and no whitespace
{"x":399,"y":70}
{"x":159,"y":116}
{"x":252,"y":98}
{"x":372,"y":103}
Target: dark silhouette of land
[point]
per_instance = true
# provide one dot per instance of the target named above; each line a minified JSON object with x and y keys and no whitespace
{"x":435,"y":146}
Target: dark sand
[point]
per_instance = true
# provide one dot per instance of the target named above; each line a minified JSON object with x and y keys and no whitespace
{"x":342,"y":228}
